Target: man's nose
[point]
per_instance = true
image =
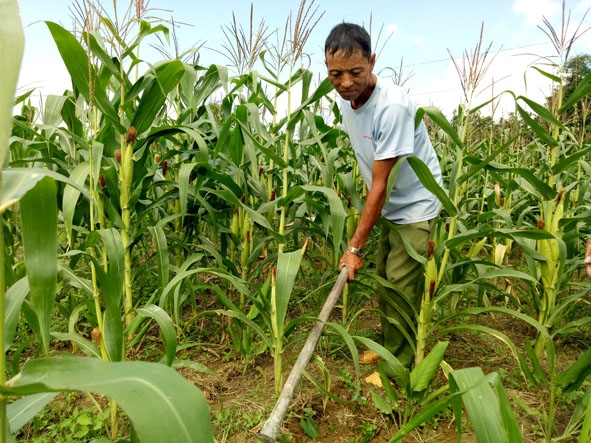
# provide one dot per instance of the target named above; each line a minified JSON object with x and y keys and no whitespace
{"x":347,"y":81}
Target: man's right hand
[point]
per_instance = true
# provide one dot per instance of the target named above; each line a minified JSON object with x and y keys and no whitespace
{"x":353,"y":262}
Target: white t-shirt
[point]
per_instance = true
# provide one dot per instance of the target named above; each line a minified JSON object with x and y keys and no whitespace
{"x":383,"y":128}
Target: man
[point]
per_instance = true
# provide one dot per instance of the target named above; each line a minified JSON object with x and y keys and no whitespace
{"x":588,"y":257}
{"x":379,"y":118}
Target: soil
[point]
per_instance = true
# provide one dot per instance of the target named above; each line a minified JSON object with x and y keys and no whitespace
{"x":241,"y":396}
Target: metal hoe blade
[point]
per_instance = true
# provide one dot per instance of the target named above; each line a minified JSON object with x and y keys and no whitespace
{"x":272,"y":427}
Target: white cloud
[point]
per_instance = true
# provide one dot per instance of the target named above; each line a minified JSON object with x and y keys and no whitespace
{"x":393,"y":28}
{"x":534,"y":10}
{"x":511,"y":70}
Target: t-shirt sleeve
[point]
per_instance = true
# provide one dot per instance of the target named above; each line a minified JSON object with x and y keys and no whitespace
{"x":394,"y":132}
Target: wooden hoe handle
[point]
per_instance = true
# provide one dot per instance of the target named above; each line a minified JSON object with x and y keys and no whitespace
{"x":272,"y":426}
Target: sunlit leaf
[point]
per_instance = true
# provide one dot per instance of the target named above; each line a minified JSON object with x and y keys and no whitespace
{"x":12,"y":42}
{"x":39,"y":224}
{"x":161,"y":404}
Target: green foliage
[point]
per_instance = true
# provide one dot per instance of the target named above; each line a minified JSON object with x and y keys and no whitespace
{"x":182,"y":193}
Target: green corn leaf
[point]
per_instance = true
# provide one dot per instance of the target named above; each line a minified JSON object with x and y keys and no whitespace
{"x":76,"y":60}
{"x":167,"y":76}
{"x":166,"y":328}
{"x":426,"y":177}
{"x":255,"y":327}
{"x":161,"y":255}
{"x":14,"y":298}
{"x":288,"y":266}
{"x":160,"y":403}
{"x":52,"y":112}
{"x":39,"y":222}
{"x":437,"y":116}
{"x":255,"y":216}
{"x":12,"y":42}
{"x":111,"y":284}
{"x":324,"y":88}
{"x":480,"y":164}
{"x":571,"y":160}
{"x":401,"y":374}
{"x":585,"y":435}
{"x":499,"y":336}
{"x":547,"y":74}
{"x":574,"y":376}
{"x":21,"y":411}
{"x":489,"y":409}
{"x":422,"y":375}
{"x":76,"y":281}
{"x":583,"y":90}
{"x":70,"y":198}
{"x":537,"y":128}
{"x":16,"y":182}
{"x":540,"y":187}
{"x":85,"y":345}
{"x":215,"y":77}
{"x":541,"y":111}
{"x":183,"y":182}
{"x":338,"y":216}
{"x":238,"y":284}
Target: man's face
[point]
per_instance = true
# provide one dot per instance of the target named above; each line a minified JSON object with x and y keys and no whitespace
{"x":352,"y":75}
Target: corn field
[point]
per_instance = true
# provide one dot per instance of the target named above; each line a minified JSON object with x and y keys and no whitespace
{"x":182,"y":203}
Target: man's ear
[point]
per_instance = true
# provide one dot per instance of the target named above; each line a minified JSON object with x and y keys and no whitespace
{"x":372,"y":59}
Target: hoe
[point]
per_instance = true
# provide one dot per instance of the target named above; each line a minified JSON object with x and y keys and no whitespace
{"x":272,"y":426}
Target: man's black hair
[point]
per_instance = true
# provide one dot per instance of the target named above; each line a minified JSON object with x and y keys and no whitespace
{"x":348,"y":37}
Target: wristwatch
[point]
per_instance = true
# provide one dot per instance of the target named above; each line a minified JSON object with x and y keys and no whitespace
{"x":357,"y":251}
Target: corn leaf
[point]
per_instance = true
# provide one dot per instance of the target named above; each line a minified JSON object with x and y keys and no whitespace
{"x":424,"y":174}
{"x":437,"y":116}
{"x":585,"y":435}
{"x":161,"y":404}
{"x":85,"y":345}
{"x":288,"y":266}
{"x":12,"y":42}
{"x":338,"y":215}
{"x":16,"y":182}
{"x":583,"y":90}
{"x":14,"y":298}
{"x":161,"y":255}
{"x":111,"y":283}
{"x":537,"y":127}
{"x":70,"y":198}
{"x":77,"y":63}
{"x":167,"y":76}
{"x":166,"y":328}
{"x":574,"y":376}
{"x":20,"y":412}
{"x":39,"y":222}
{"x":422,"y":375}
{"x":401,"y":374}
{"x":492,"y":419}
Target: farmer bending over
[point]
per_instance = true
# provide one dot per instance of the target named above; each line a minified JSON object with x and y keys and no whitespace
{"x":379,"y":118}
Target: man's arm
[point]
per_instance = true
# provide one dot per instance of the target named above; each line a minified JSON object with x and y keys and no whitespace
{"x":370,"y":214}
{"x":587,"y":257}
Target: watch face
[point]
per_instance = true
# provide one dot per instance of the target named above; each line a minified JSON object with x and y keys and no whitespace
{"x":356,"y":251}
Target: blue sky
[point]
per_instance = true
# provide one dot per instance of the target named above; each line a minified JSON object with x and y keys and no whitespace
{"x":421,"y":34}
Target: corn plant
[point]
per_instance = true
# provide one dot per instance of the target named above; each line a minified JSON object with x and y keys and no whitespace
{"x":39,"y":379}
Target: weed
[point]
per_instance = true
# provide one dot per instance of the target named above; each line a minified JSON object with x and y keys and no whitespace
{"x":69,"y":420}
